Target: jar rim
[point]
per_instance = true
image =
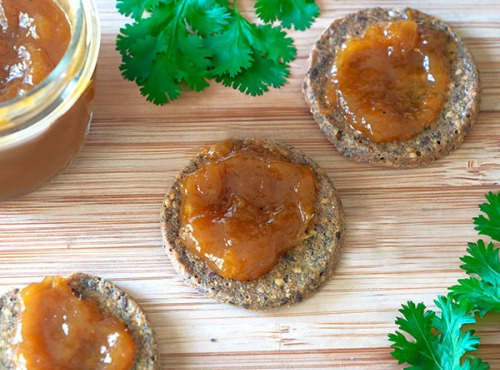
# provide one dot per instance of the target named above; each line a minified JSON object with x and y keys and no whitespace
{"x":42,"y":90}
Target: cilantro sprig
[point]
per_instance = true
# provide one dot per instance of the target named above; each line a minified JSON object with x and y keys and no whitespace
{"x":437,"y":340}
{"x":174,"y":44}
{"x":482,"y":288}
{"x":489,"y":225}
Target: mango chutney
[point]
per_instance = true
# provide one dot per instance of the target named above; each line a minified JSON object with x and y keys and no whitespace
{"x":35,"y":36}
{"x":57,"y":330}
{"x":391,"y":82}
{"x":48,"y":57}
{"x":244,"y":208}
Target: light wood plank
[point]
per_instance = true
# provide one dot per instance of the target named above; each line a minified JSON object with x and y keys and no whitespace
{"x":407,"y":228}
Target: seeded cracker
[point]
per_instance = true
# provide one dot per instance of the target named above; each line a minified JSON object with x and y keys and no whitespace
{"x":298,"y":273}
{"x":439,"y":139}
{"x":111,"y":299}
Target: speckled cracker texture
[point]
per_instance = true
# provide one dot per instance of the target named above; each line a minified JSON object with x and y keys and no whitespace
{"x":441,"y":138}
{"x":9,"y":310}
{"x":111,"y":299}
{"x":299,"y":272}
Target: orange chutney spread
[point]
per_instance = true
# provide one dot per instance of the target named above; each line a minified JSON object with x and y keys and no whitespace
{"x":244,"y":208}
{"x":34,"y":35}
{"x":391,"y":82}
{"x":58,"y":331}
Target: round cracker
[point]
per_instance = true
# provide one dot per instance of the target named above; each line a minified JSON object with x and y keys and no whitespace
{"x":298,"y":273}
{"x":439,"y":139}
{"x":111,"y":300}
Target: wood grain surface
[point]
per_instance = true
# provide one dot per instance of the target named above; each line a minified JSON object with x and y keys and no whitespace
{"x":406,"y":228}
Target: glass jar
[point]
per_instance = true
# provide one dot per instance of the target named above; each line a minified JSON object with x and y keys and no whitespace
{"x":41,"y":131}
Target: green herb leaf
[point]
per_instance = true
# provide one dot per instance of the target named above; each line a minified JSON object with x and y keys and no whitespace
{"x":483,"y":261}
{"x":144,"y":53}
{"x":257,"y":79}
{"x":489,"y":225}
{"x":136,"y":8}
{"x":206,"y":17}
{"x":453,"y":343}
{"x":177,"y":43}
{"x":418,"y":323}
{"x":438,"y":341}
{"x":297,"y":13}
{"x":273,"y":43}
{"x":232,"y":49}
{"x":482,"y":291}
{"x":160,"y":87}
{"x":161,"y":54}
{"x":251,"y":58}
{"x":192,"y":62}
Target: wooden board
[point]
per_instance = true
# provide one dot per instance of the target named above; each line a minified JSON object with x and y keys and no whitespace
{"x":406,"y":228}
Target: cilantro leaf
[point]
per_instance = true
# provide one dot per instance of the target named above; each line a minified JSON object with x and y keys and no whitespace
{"x":139,"y":66}
{"x":140,"y":43}
{"x":192,"y":61}
{"x":270,"y":52}
{"x":443,"y":343}
{"x":257,"y":79}
{"x":483,"y":261}
{"x":273,"y":43}
{"x":133,"y":34}
{"x":232,"y":49}
{"x":418,"y":323}
{"x":161,"y":54}
{"x":247,"y":50}
{"x":193,"y":41}
{"x":136,"y":8}
{"x":206,"y":17}
{"x":160,"y":87}
{"x":453,"y":343}
{"x":489,"y":225}
{"x":438,"y":341}
{"x":483,"y":290}
{"x":297,"y":13}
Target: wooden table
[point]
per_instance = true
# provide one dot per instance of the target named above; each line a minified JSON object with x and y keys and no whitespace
{"x":406,"y":228}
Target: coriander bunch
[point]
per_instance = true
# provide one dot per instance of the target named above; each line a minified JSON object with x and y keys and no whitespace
{"x":438,"y":340}
{"x":173,"y":44}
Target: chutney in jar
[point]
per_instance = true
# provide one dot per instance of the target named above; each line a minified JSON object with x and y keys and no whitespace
{"x":48,"y":52}
{"x":35,"y":36}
